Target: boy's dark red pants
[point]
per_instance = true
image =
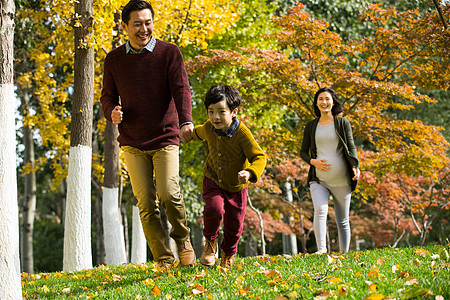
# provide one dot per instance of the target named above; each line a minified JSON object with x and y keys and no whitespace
{"x":229,"y":207}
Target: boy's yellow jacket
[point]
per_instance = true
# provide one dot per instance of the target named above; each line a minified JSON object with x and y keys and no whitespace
{"x":229,"y":155}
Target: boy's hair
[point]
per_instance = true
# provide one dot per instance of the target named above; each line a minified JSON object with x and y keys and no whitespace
{"x":337,"y":106}
{"x":220,"y":92}
{"x":135,"y":5}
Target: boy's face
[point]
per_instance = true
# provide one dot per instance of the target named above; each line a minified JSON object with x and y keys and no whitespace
{"x":139,"y":28}
{"x":221,"y":115}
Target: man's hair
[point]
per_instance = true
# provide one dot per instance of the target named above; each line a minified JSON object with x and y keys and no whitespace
{"x":337,"y":106}
{"x":220,"y":92}
{"x":135,"y":5}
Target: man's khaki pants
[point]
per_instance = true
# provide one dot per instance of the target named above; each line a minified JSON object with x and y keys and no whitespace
{"x":164,"y":165}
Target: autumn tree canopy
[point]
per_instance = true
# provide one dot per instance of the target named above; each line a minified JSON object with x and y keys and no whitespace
{"x":375,"y":77}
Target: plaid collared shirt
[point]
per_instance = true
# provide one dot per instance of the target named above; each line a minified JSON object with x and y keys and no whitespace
{"x":229,"y":132}
{"x":147,"y":48}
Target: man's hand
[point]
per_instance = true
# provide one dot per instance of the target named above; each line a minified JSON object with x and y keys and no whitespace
{"x":244,"y":176}
{"x":186,"y":132}
{"x":117,"y":115}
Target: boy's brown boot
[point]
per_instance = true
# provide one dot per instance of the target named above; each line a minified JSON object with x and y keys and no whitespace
{"x":186,"y":253}
{"x":227,"y":261}
{"x":209,"y":253}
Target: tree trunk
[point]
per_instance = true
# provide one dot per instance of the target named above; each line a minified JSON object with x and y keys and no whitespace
{"x":97,"y":211}
{"x":9,"y":219}
{"x":261,"y":225}
{"x":112,"y":225}
{"x":138,"y":242}
{"x":77,"y":231}
{"x":289,"y":240}
{"x":29,"y":201}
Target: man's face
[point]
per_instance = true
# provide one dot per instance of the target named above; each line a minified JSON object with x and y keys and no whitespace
{"x":139,"y":28}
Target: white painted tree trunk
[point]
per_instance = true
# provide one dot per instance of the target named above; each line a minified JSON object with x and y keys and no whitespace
{"x":289,"y":240}
{"x":138,"y":241}
{"x":77,"y":228}
{"x":113,"y":228}
{"x":10,"y":286}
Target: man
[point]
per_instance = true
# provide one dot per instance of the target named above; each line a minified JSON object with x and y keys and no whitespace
{"x":150,"y":78}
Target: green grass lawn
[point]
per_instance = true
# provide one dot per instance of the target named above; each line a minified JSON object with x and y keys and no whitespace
{"x":404,"y":273}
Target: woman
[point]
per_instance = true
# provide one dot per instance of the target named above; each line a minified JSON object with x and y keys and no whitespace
{"x":329,"y":149}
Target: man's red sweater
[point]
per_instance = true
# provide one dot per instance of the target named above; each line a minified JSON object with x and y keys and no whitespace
{"x":154,"y":92}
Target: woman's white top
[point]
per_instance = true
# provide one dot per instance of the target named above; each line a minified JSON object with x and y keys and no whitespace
{"x":327,"y":143}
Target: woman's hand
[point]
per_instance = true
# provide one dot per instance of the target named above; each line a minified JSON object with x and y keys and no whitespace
{"x":321,"y":164}
{"x":357,"y":173}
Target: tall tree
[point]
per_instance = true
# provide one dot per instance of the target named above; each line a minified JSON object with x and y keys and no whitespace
{"x":77,"y":231}
{"x":112,"y":228}
{"x":9,"y":219}
{"x":29,"y":199}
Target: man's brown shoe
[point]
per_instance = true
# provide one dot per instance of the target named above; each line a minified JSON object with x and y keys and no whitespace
{"x":186,"y":253}
{"x":209,"y":253}
{"x":163,"y":266}
{"x":227,"y":261}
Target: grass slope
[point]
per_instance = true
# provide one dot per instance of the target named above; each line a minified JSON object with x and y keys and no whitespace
{"x":404,"y":273}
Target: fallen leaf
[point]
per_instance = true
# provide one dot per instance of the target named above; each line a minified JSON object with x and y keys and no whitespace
{"x":403,"y":274}
{"x":395,"y":268}
{"x":343,"y":290}
{"x":373,"y":274}
{"x":423,"y":252}
{"x":412,"y":281}
{"x":375,"y":297}
{"x":199,"y":290}
{"x":156,"y":291}
{"x":293,"y":295}
{"x":272,"y":273}
{"x":148,"y":281}
{"x":321,"y":294}
{"x":243,"y":291}
{"x":372,"y":287}
{"x":239,"y":280}
{"x":335,"y":280}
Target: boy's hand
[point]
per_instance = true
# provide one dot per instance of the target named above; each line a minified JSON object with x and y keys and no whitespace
{"x":244,"y":176}
{"x":186,"y":133}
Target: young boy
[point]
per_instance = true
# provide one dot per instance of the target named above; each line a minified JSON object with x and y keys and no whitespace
{"x":234,"y":159}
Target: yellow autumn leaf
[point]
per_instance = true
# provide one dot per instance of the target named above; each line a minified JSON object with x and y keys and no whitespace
{"x":335,"y":280}
{"x":372,"y":287}
{"x":375,"y":297}
{"x":373,"y":274}
{"x":239,"y":280}
{"x":422,"y":252}
{"x":380,"y":261}
{"x":45,"y":289}
{"x":374,"y":269}
{"x":243,"y":291}
{"x":148,"y":281}
{"x":156,"y":291}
